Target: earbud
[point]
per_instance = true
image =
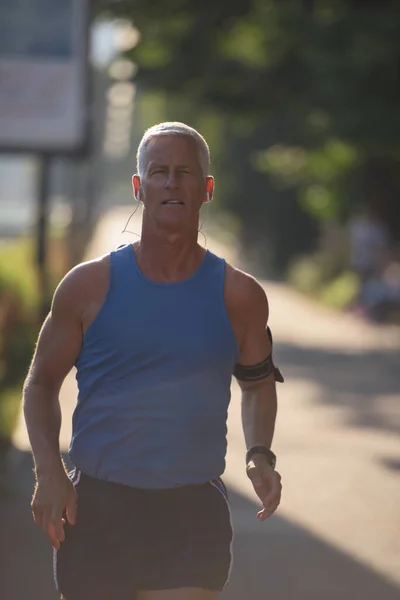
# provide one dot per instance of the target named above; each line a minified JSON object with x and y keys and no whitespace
{"x":208,"y":197}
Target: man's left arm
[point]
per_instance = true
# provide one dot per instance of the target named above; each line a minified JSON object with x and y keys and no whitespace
{"x":256,"y":375}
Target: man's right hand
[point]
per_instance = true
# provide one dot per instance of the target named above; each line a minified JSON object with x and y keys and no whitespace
{"x":54,"y":493}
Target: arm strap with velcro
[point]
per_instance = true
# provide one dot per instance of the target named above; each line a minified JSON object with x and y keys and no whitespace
{"x":260,"y":370}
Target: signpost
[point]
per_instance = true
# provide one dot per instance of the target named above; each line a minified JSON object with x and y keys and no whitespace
{"x":44,"y":105}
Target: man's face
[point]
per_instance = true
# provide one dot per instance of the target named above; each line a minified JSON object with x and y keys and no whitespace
{"x":173,"y":186}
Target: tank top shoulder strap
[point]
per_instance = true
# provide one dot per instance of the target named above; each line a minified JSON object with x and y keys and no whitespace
{"x":122,"y":253}
{"x":215,"y":269}
{"x":214,"y":264}
{"x":120,"y":261}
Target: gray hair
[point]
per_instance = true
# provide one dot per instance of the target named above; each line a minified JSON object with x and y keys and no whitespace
{"x":173,"y":128}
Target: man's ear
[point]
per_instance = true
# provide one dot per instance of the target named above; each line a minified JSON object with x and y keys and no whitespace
{"x":136,"y":187}
{"x":209,"y":189}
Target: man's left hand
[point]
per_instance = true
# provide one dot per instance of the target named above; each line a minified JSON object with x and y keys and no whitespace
{"x":267,"y":485}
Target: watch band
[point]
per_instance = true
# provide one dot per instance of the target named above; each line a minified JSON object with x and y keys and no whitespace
{"x":261,"y":450}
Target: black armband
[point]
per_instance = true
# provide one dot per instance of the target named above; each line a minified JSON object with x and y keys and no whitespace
{"x":259,"y":371}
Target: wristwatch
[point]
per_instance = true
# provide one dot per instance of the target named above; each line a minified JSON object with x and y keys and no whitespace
{"x":261,"y":450}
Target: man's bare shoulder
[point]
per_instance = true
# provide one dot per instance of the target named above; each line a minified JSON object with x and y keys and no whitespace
{"x":243,"y":293}
{"x":83,"y":283}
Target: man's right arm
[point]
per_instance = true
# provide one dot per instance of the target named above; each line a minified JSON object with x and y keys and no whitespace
{"x":57,"y":349}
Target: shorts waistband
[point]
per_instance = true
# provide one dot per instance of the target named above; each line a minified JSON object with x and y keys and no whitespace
{"x":78,"y":476}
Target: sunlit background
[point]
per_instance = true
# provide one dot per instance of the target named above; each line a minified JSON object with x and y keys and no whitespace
{"x":299,"y":101}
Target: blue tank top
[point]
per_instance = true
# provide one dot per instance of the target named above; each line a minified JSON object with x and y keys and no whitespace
{"x":154,"y":376}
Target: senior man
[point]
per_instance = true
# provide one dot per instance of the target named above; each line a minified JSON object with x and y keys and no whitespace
{"x":155,"y":329}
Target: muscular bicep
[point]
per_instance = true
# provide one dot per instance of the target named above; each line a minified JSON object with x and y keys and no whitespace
{"x":255,"y":366}
{"x":59,"y":342}
{"x":255,"y":344}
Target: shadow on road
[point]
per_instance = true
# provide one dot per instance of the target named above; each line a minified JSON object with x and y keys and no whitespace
{"x":351,"y":381}
{"x":286,"y":562}
{"x":275,"y":560}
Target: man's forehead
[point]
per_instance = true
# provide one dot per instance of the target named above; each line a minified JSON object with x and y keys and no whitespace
{"x":163,"y":143}
{"x":172,"y":149}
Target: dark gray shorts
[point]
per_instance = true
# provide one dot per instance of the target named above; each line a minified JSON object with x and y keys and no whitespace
{"x":128,"y":539}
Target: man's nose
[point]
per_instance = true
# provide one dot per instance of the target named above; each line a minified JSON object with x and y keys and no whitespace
{"x":172,"y":181}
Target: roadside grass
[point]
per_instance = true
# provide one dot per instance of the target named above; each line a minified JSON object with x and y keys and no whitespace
{"x":319,"y":278}
{"x":19,"y":322}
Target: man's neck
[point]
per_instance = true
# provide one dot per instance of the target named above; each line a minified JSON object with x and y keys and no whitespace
{"x":168,"y":257}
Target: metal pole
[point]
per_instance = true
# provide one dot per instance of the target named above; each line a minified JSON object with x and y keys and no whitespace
{"x":41,"y":237}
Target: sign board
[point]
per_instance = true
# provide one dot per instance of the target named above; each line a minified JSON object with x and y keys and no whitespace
{"x":43,"y":75}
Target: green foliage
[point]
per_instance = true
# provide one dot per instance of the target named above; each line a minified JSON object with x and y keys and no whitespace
{"x":17,"y":272}
{"x":19,"y":324}
{"x":9,"y":410}
{"x":18,"y":302}
{"x":244,"y":43}
{"x":322,"y":276}
{"x":333,"y":57}
{"x":307,"y":93}
{"x":306,"y":275}
{"x":310,"y":273}
{"x":319,"y":175}
{"x":342,"y":291}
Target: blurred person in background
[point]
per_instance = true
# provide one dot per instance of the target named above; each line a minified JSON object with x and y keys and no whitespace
{"x":369,"y":247}
{"x":155,"y":329}
{"x":380,"y":294}
{"x":369,"y":238}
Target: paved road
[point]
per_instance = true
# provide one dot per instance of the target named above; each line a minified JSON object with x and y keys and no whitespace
{"x":337,"y":439}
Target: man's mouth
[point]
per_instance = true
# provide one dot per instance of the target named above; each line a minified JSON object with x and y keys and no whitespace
{"x":169,"y":202}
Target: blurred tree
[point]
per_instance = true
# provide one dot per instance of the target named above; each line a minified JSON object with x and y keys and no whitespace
{"x":314,"y":84}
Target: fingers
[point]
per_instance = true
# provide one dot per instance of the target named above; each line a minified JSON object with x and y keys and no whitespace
{"x":53,"y":496}
{"x":53,"y":536}
{"x":53,"y":526}
{"x":265,"y":513}
{"x":270,"y":506}
{"x":268,"y":487}
{"x":51,"y":522}
{"x":273,"y":492}
{"x":71,"y":508}
{"x":57,"y":525}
